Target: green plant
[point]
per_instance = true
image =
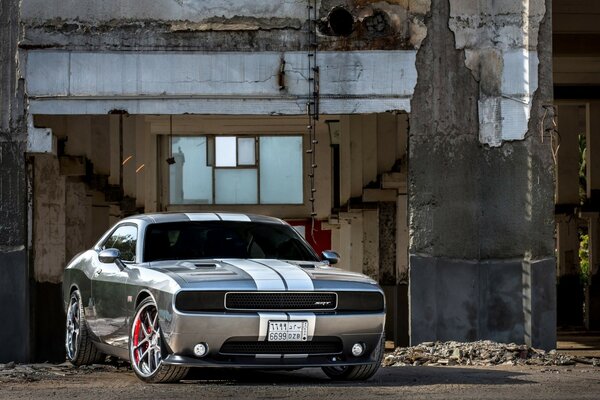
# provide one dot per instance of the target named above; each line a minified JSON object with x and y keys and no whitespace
{"x":584,"y":258}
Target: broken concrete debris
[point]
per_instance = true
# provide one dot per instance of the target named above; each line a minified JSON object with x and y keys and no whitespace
{"x":480,"y":353}
{"x":35,"y":372}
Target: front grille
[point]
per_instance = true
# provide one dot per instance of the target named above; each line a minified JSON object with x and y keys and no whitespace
{"x":247,"y":348}
{"x":280,"y":301}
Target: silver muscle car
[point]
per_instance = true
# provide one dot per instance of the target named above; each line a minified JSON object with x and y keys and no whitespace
{"x":178,"y":290}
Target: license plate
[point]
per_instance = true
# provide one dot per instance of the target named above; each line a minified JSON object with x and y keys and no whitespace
{"x":287,"y":331}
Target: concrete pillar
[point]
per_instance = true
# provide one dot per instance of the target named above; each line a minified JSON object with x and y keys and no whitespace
{"x":481,"y":222}
{"x":50,"y":224}
{"x":567,"y":182}
{"x":593,"y":193}
{"x":140,"y":161}
{"x":151,"y":170}
{"x":593,"y":151}
{"x":402,"y":239}
{"x":569,"y":289}
{"x":592,"y":319}
{"x":370,"y":239}
{"x":14,"y":284}
{"x":593,"y":207}
{"x":569,"y":286}
{"x":567,"y":239}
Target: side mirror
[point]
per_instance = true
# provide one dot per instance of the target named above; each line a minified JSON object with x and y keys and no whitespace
{"x":330,"y":256}
{"x":109,"y":256}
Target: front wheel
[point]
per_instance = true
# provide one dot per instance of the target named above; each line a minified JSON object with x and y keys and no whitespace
{"x":357,"y":372}
{"x":145,"y":350}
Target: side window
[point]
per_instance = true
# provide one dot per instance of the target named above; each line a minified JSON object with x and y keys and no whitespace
{"x":123,"y":239}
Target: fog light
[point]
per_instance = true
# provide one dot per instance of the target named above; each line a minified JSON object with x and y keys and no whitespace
{"x":201,"y":349}
{"x":358,"y":349}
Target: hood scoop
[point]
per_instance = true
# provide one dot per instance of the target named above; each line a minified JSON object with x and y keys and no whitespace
{"x":205,"y":265}
{"x":308,"y":266}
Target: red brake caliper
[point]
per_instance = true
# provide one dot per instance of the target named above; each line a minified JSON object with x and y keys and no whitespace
{"x":136,"y":340}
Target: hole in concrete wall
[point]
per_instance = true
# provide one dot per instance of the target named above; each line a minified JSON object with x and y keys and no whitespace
{"x":377,"y":23}
{"x":341,"y":22}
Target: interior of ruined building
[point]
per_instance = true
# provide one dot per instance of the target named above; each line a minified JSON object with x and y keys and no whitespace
{"x":576,"y":49}
{"x":107,"y":167}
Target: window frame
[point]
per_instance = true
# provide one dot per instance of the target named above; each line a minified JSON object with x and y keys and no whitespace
{"x":112,"y":232}
{"x":211,"y":162}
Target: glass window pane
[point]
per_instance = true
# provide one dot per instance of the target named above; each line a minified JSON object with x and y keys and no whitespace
{"x":225,"y":151}
{"x":281,"y":170}
{"x":190,"y":179}
{"x":124,"y":240}
{"x":246,"y":151}
{"x":236,"y":186}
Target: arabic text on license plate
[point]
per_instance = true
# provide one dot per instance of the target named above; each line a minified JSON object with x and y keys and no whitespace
{"x":287,"y":331}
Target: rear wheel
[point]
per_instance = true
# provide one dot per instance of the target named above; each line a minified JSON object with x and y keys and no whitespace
{"x":357,"y":372}
{"x":78,"y":343}
{"x":145,"y":347}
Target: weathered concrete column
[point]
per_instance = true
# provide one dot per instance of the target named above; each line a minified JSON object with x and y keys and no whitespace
{"x":14,"y":291}
{"x":592,"y":319}
{"x":569,"y":286}
{"x":593,"y":193}
{"x":481,"y":177}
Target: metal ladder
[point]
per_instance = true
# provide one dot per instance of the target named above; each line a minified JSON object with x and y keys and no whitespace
{"x":312,"y":104}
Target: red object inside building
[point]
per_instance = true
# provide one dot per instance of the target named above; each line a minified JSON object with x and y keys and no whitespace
{"x":319,"y":239}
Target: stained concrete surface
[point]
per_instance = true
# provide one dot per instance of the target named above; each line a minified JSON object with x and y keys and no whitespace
{"x":505,"y":382}
{"x":481,"y":218}
{"x":14,"y":304}
{"x":502,"y":300}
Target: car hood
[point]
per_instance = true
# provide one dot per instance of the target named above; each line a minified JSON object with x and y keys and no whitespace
{"x":259,"y":274}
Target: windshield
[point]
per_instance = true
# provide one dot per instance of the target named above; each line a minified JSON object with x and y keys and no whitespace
{"x":224,"y":239}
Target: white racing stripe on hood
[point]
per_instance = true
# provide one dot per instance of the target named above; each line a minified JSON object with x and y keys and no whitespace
{"x":295,"y":277}
{"x":264,"y":277}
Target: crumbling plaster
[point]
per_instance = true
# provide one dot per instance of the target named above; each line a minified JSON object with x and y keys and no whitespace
{"x":499,"y":39}
{"x":165,"y":10}
{"x":218,"y":25}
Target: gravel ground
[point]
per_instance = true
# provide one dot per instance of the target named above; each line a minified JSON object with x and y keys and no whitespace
{"x":111,"y":382}
{"x":433,"y":370}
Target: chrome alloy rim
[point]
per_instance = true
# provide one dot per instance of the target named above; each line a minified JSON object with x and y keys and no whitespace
{"x":145,"y":341}
{"x":72,"y":335}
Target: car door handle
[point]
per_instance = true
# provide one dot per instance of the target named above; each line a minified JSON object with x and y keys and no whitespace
{"x":98,"y":272}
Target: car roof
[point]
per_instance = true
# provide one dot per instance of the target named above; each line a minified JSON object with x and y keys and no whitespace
{"x":203,"y":216}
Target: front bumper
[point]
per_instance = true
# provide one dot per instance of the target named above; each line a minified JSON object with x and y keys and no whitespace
{"x":215,"y":329}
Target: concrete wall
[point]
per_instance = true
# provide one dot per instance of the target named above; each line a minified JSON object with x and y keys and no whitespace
{"x":14,"y":276}
{"x":481,"y":218}
{"x":218,"y":25}
{"x":66,"y":82}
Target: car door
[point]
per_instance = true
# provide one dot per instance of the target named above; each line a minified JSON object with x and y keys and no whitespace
{"x":109,"y":281}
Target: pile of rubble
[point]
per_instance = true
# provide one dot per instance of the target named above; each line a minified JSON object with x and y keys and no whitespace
{"x":481,"y":353}
{"x":35,"y":372}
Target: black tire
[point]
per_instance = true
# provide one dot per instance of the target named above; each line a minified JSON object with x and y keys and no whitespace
{"x":78,"y":342}
{"x":153,"y":370}
{"x":357,"y":372}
